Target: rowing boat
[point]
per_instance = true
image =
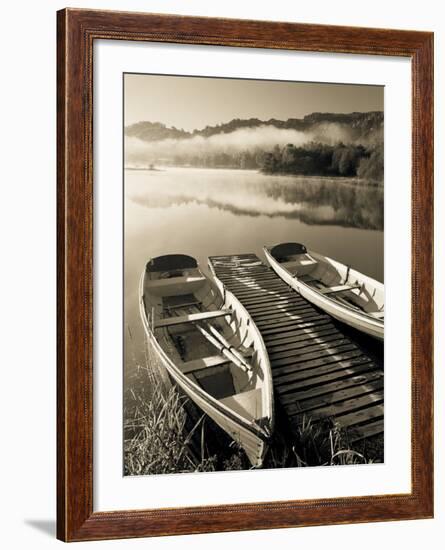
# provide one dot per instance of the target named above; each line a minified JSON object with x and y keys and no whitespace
{"x":344,"y":293}
{"x":211,"y":348}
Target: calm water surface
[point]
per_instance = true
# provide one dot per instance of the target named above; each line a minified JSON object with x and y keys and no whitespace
{"x":205,"y":212}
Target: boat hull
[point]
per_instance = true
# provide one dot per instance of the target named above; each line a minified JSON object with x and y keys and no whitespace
{"x":253,"y":440}
{"x":355,"y":319}
{"x":254,"y":446}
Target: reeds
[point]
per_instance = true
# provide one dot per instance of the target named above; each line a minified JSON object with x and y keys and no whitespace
{"x":325,"y":444}
{"x":156,"y":440}
{"x":314,"y":444}
{"x":160,"y":439}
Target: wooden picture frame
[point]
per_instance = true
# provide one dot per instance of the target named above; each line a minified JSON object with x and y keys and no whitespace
{"x":77,"y":31}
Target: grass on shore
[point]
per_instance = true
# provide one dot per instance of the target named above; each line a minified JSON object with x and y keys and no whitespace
{"x":159,"y":439}
{"x":155,"y":437}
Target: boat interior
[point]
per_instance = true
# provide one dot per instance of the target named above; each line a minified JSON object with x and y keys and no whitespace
{"x":339,"y":282}
{"x":203,"y":338}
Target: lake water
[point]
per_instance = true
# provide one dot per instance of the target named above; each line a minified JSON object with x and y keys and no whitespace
{"x":203,"y":212}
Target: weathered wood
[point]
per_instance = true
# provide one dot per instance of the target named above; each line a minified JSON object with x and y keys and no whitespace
{"x":321,"y":372}
{"x":365,"y":431}
{"x":192,"y":318}
{"x":305,"y":335}
{"x":199,"y":364}
{"x":297,"y":331}
{"x":235,"y":276}
{"x":288,"y":320}
{"x":328,"y":354}
{"x":358,"y":405}
{"x":302,"y":341}
{"x":275,"y":306}
{"x":248,"y":292}
{"x":361,"y":381}
{"x":270,"y":299}
{"x":297,"y":348}
{"x":287,"y":392}
{"x":330,"y":398}
{"x":318,"y":320}
{"x":361,"y":416}
{"x":240,"y":280}
{"x":300,"y":368}
{"x":273,"y":314}
{"x":224,"y":258}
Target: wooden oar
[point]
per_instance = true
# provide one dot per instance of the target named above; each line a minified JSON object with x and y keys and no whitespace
{"x":225,"y":350}
{"x":220,"y":343}
{"x":228,"y":345}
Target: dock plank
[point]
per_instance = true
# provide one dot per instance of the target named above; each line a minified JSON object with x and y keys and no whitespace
{"x":330,"y":398}
{"x":288,"y":321}
{"x":296,"y":348}
{"x":328,"y":353}
{"x":361,"y":416}
{"x":358,"y":405}
{"x":311,"y":334}
{"x":274,"y":307}
{"x":295,"y":325}
{"x":337,"y":386}
{"x":296,"y":331}
{"x":268,"y":299}
{"x":274,"y":314}
{"x":365,"y":431}
{"x":288,"y":394}
{"x":317,"y":369}
{"x":296,"y":367}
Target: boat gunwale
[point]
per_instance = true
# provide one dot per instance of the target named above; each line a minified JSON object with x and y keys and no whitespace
{"x":357,"y":313}
{"x":261,"y":343}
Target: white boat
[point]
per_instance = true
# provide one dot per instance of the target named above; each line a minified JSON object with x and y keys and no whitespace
{"x":344,"y":293}
{"x":211,"y":348}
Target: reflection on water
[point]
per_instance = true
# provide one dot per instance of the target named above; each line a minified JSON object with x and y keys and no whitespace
{"x":328,"y":201}
{"x":313,"y":200}
{"x":214,"y":212}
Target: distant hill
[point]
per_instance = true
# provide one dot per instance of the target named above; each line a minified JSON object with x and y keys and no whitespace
{"x":154,"y":131}
{"x":361,"y":124}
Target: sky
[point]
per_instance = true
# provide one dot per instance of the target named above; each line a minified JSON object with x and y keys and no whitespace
{"x":194,"y":102}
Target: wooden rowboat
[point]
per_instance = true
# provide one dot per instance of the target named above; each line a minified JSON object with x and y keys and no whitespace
{"x":344,"y":293}
{"x":211,"y":348}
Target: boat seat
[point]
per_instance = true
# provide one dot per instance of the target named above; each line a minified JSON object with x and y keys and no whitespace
{"x":192,"y":318}
{"x":203,"y":363}
{"x":337,"y":289}
{"x":244,"y":403}
{"x":306,"y":259}
{"x":185,"y":304}
{"x":173,"y":281}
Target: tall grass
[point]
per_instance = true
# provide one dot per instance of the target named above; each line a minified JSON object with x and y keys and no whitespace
{"x":315,"y":444}
{"x":159,"y":439}
{"x":156,"y":440}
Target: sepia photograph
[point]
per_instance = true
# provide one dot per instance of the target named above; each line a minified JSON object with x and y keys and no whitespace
{"x":253,"y":274}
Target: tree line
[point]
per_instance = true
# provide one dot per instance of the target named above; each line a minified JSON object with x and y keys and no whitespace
{"x":312,"y":159}
{"x":317,"y":159}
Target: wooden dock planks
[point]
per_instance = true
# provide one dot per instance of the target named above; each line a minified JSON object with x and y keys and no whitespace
{"x":318,"y":371}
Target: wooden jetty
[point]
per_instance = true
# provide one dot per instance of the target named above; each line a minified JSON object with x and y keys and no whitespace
{"x":318,"y":370}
